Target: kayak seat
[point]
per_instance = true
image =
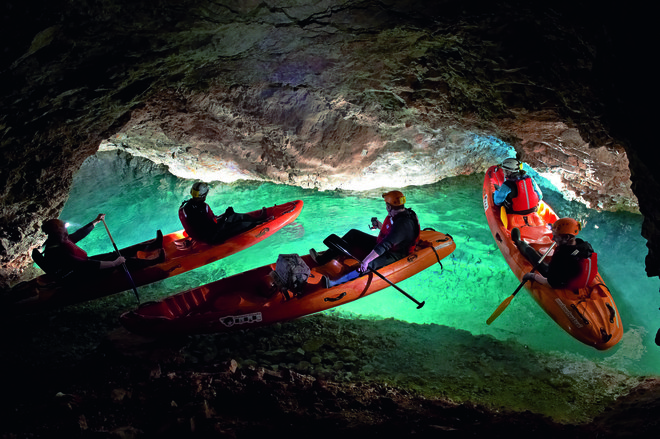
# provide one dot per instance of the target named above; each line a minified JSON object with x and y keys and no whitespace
{"x":182,"y":304}
{"x":530,"y":220}
{"x":186,"y":243}
{"x":334,"y":269}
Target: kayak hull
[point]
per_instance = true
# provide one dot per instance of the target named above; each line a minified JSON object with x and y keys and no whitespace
{"x":182,"y":254}
{"x":251,"y":299}
{"x":589,"y":314}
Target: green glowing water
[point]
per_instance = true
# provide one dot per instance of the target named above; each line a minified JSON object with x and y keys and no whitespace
{"x":462,"y":294}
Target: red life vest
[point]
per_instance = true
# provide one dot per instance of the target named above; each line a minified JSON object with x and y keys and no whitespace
{"x":526,"y":199}
{"x":75,"y":251}
{"x":589,"y":270}
{"x":387,"y":228}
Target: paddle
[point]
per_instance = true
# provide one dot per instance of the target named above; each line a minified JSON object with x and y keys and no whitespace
{"x":500,"y":309}
{"x":128,"y":275}
{"x":504,"y":217}
{"x":336,"y":242}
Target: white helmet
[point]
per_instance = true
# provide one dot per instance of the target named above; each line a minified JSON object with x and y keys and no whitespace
{"x":199,"y":190}
{"x":512,"y":165}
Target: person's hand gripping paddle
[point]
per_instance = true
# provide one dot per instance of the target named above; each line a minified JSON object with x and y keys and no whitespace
{"x":128,"y":275}
{"x":500,"y":309}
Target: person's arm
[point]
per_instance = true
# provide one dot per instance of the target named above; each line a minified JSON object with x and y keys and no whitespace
{"x":403,"y":229}
{"x":536,"y":277}
{"x":86,"y":230}
{"x":499,"y":196}
{"x":111,"y":264}
{"x":364,"y":266}
{"x":375,"y":224}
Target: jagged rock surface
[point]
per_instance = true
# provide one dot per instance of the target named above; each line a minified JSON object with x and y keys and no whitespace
{"x":321,"y":94}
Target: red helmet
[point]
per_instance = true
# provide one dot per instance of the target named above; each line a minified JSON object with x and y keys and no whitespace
{"x":567,"y":226}
{"x":394,"y":198}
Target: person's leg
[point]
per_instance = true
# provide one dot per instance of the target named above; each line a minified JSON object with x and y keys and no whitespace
{"x":359,"y":244}
{"x":529,"y":252}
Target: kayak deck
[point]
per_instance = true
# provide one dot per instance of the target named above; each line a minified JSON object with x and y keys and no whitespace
{"x":589,"y":314}
{"x":181,"y":254}
{"x":255,"y":298}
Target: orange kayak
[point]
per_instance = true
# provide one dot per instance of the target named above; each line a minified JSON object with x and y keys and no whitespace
{"x":181,"y":254}
{"x":589,"y":314}
{"x":254,"y":298}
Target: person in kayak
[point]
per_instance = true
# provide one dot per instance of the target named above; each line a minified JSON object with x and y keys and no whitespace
{"x":519,"y":193}
{"x":63,"y":258}
{"x":201,"y":224}
{"x":398,"y":236}
{"x":574,"y":263}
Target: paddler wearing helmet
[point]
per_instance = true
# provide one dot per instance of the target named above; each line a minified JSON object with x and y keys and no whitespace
{"x":574,"y":263}
{"x":63,"y":258}
{"x":398,"y":236}
{"x":519,"y":193}
{"x":201,"y":224}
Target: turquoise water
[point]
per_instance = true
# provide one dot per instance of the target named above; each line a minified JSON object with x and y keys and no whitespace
{"x":139,"y":197}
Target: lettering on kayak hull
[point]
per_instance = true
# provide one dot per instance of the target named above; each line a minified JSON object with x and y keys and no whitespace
{"x":230,"y":321}
{"x":568,"y":313}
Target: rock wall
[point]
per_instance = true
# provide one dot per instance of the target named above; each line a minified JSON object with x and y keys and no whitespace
{"x":321,"y":94}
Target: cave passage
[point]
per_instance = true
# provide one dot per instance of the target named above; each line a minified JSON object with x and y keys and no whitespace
{"x":139,"y":197}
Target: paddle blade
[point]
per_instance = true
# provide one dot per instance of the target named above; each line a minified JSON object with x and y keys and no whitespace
{"x":500,"y":309}
{"x":504,"y":217}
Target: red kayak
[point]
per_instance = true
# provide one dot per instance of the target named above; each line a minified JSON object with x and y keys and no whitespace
{"x":588,"y":314}
{"x":257,"y":297}
{"x":182,"y":254}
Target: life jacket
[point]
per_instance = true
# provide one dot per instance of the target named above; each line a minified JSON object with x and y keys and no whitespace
{"x":197,"y":219}
{"x":588,"y":271}
{"x":525,"y":200}
{"x":61,"y":257}
{"x":386,"y":228}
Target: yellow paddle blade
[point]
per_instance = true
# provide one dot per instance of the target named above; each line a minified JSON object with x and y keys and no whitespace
{"x":504,"y":218}
{"x":500,"y":309}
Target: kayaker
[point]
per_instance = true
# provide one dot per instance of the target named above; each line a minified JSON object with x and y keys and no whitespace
{"x":519,"y":193}
{"x":203,"y":225}
{"x":397,"y":238}
{"x":574,"y":263}
{"x":62,"y":257}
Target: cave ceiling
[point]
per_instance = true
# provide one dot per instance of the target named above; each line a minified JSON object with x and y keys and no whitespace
{"x":326,"y":94}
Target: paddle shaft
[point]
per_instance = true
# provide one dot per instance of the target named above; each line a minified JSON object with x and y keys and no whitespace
{"x":419,"y":304}
{"x":128,"y":274}
{"x":500,"y":309}
{"x":536,"y":266}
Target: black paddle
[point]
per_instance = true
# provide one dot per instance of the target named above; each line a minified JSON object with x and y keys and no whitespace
{"x":336,"y":242}
{"x":128,"y":275}
{"x":500,"y":309}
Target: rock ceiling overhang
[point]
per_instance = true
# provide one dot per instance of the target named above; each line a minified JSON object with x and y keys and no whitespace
{"x":311,"y":92}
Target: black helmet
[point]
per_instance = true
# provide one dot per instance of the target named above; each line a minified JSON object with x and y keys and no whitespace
{"x":199,"y":190}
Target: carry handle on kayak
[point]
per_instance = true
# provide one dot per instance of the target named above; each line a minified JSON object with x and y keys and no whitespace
{"x":339,"y":244}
